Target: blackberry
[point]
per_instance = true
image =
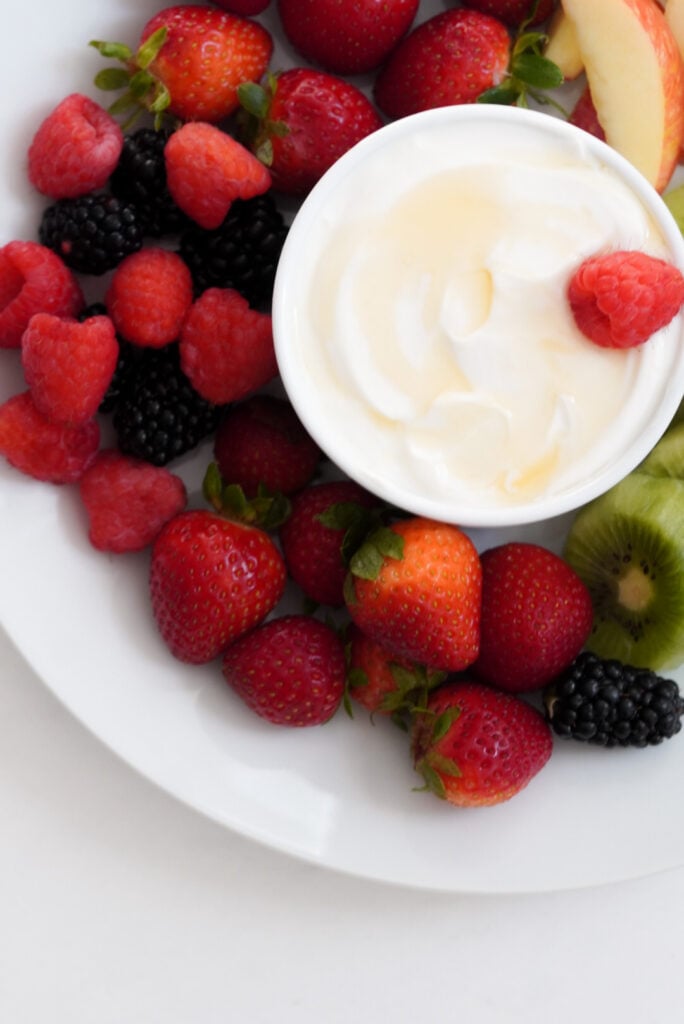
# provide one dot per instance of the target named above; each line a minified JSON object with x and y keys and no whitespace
{"x":140,"y":178}
{"x":159,"y":415}
{"x":610,"y":704}
{"x":91,"y":233}
{"x":242,"y":253}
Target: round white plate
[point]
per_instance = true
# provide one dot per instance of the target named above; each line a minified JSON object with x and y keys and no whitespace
{"x":341,"y":796}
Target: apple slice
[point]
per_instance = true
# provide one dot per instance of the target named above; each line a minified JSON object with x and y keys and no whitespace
{"x":674,"y":16}
{"x":636,"y":76}
{"x":562,"y":46}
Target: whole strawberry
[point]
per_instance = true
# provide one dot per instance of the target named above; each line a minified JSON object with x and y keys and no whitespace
{"x":262,"y":443}
{"x":514,"y":12}
{"x":211,"y":580}
{"x":190,"y":60}
{"x":290,"y":670}
{"x":415,"y":587}
{"x":451,"y":58}
{"x":477,"y":747}
{"x":536,"y":616}
{"x":326,"y":523}
{"x":346,"y":36}
{"x":302,"y":122}
{"x":380,"y":681}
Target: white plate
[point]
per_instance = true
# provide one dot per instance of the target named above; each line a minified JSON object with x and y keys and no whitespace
{"x":340,"y":796}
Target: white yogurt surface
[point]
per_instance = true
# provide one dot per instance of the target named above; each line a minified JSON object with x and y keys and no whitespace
{"x":428,"y":313}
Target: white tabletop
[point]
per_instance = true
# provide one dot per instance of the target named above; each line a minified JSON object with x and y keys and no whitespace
{"x":119,"y":904}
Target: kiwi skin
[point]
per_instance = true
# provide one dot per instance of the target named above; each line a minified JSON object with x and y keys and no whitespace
{"x":667,"y":458}
{"x":628,"y":547}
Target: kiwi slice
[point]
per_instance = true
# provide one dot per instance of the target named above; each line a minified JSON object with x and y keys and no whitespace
{"x":667,"y":458}
{"x":628,"y":547}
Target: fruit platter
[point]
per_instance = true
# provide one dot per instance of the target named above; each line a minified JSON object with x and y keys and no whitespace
{"x":91,"y":594}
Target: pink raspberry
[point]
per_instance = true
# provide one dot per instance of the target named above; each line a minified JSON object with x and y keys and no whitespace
{"x":75,"y":149}
{"x":619,"y":299}
{"x":149,"y":297}
{"x":128,"y":501}
{"x":69,"y":365}
{"x":55,"y":452}
{"x":33,"y":279}
{"x":206,"y":169}
{"x":226,"y":348}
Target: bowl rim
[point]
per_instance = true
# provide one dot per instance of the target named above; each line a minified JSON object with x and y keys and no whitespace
{"x":327,"y":436}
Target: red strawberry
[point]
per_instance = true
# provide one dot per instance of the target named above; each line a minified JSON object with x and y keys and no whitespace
{"x":380,"y":681}
{"x":75,"y":149}
{"x":451,"y":58}
{"x":477,"y":747}
{"x":327,"y":521}
{"x":346,"y":36}
{"x":226,"y":348}
{"x":190,"y":61}
{"x":55,"y":452}
{"x":536,"y":616}
{"x":149,"y":296}
{"x":415,"y":587}
{"x":584,"y":115}
{"x":211,"y":580}
{"x":303,"y":122}
{"x":33,"y":280}
{"x":619,"y":299}
{"x":261,"y":441}
{"x":247,"y":8}
{"x":514,"y":12}
{"x":290,"y":670}
{"x":69,"y":365}
{"x":206,"y":170}
{"x":127,"y":501}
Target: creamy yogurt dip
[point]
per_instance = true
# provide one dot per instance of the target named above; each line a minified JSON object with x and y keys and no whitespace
{"x":428,"y":315}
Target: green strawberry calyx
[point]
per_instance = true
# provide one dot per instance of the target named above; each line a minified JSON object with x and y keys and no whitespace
{"x":412,"y":688}
{"x":257,"y":128}
{"x":140,"y":88}
{"x":430,"y":763}
{"x":529,"y":72}
{"x":266,"y":509}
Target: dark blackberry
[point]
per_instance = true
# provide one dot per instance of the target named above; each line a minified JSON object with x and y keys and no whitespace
{"x":159,"y":415}
{"x":140,"y":178}
{"x":92,"y":233}
{"x":610,"y":704}
{"x":242,"y":253}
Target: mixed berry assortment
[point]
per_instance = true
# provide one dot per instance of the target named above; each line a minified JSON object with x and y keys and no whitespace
{"x":180,"y":220}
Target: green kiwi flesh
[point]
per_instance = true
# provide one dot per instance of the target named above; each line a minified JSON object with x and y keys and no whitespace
{"x":628,"y":547}
{"x":667,"y":458}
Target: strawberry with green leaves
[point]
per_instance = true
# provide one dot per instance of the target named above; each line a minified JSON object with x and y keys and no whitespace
{"x":215,"y":574}
{"x":190,"y":60}
{"x":464,"y":56}
{"x":328,"y":521}
{"x":383,"y":683}
{"x":476,"y":746}
{"x":416,"y":588}
{"x":301,"y":122}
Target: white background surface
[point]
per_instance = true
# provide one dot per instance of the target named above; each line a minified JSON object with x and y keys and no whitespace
{"x":120,"y":905}
{"x":117,"y":904}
